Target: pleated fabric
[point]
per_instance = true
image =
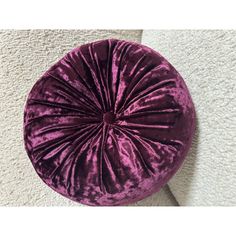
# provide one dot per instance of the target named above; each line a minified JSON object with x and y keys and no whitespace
{"x":109,"y":124}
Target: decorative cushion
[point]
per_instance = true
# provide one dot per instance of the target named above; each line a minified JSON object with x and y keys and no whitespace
{"x":109,"y":124}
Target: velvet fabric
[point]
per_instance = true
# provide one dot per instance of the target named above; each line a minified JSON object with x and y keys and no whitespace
{"x":109,"y":124}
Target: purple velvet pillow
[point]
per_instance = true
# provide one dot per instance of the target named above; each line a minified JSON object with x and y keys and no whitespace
{"x":109,"y":124}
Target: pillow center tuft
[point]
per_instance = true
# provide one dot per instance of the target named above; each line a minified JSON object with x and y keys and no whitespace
{"x":109,"y":117}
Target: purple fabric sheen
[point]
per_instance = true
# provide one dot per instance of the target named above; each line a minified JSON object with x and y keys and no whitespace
{"x":109,"y":124}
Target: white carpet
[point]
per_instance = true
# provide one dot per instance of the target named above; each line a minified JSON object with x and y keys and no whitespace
{"x":24,"y":56}
{"x":207,"y":62}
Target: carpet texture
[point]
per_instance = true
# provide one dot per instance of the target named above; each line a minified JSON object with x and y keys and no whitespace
{"x":206,"y":59}
{"x":24,"y":56}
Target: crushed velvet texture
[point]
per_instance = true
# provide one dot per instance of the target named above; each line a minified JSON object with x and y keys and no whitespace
{"x":109,"y":124}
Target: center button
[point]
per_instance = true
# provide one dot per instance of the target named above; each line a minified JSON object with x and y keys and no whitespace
{"x":109,"y":117}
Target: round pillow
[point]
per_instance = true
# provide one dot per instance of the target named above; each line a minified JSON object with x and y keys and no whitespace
{"x":109,"y":124}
